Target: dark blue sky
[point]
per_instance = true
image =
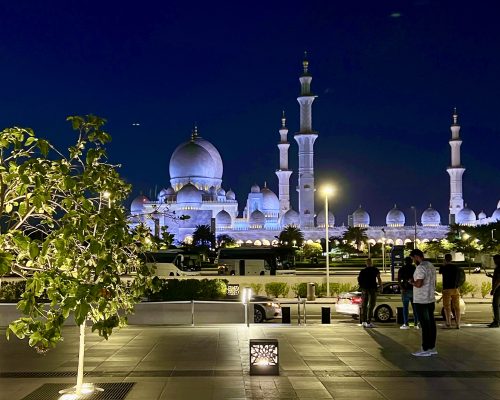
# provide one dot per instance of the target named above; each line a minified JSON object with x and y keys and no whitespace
{"x":386,"y":85}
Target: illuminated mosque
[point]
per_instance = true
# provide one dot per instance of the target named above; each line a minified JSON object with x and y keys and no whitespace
{"x":196,"y":190}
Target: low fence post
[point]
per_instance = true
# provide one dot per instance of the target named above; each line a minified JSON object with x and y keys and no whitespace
{"x":305,"y":312}
{"x":192,"y":312}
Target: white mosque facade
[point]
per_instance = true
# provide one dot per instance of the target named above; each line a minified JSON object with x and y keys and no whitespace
{"x":196,"y":190}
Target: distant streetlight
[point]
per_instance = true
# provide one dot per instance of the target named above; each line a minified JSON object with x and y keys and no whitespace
{"x":327,"y":191}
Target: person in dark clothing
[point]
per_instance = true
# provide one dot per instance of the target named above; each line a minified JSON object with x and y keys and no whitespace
{"x":451,"y":294}
{"x":495,"y":291}
{"x":367,"y":279}
{"x":405,"y":273}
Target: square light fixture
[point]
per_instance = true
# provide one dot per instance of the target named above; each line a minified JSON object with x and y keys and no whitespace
{"x":264,"y":357}
{"x":233,"y":290}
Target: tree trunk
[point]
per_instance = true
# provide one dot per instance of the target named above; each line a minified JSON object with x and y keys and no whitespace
{"x":81,"y":356}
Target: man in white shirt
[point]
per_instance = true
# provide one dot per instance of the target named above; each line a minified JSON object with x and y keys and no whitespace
{"x":424,"y":286}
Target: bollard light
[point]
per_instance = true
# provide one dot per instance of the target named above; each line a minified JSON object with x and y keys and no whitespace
{"x":246,"y":295}
{"x":264,"y":357}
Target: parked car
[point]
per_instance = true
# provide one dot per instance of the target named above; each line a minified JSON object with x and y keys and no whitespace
{"x":265,"y":309}
{"x":387,"y":303}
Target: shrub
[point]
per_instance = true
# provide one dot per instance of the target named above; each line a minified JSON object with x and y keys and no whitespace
{"x":11,"y":292}
{"x":439,"y":287}
{"x":300,"y":289}
{"x":275,"y":289}
{"x":467,"y":288}
{"x":189,"y":289}
{"x":485,"y":289}
{"x":256,"y":288}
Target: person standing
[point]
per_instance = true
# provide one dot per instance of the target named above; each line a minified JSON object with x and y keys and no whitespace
{"x":495,"y":291}
{"x":451,"y":294}
{"x":367,"y":279}
{"x":424,"y":286}
{"x":405,"y":273}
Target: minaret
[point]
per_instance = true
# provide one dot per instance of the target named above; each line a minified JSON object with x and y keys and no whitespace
{"x":305,"y":139}
{"x":284,"y":173}
{"x":455,"y":170}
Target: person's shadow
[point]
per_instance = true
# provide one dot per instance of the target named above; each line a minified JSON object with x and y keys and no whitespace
{"x":398,"y":354}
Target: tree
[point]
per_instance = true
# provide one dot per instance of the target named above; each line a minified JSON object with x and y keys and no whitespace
{"x":225,"y":240}
{"x":310,"y":250}
{"x":291,"y":236}
{"x":355,"y":235}
{"x":64,"y":229}
{"x":203,"y":237}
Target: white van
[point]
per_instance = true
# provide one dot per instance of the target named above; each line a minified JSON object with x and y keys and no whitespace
{"x":166,"y":264}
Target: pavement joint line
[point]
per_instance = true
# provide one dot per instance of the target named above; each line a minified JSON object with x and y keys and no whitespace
{"x":289,"y":373}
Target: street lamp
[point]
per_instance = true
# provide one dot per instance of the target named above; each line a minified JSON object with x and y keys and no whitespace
{"x":327,"y":191}
{"x":415,"y":232}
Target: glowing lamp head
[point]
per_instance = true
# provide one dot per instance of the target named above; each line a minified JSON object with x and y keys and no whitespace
{"x":328,"y":190}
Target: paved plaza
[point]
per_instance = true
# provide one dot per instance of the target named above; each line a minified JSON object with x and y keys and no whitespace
{"x":340,"y":361}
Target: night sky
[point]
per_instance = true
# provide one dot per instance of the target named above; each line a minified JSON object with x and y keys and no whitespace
{"x":387,"y":75}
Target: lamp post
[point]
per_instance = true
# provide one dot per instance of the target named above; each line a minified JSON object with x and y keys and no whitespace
{"x":492,"y":235}
{"x":415,"y":226}
{"x":327,"y":190}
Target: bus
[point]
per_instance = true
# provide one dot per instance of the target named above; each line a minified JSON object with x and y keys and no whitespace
{"x":247,"y":261}
{"x":168,"y":263}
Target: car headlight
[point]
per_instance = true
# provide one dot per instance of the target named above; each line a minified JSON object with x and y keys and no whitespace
{"x":273,"y":305}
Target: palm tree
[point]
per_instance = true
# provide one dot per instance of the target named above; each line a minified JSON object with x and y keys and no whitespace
{"x":355,"y":234}
{"x":291,"y":236}
{"x":203,"y":236}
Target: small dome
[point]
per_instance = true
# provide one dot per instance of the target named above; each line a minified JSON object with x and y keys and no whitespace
{"x":170,"y":191}
{"x":223,"y":218}
{"x":221,"y":192}
{"x":257,"y":218}
{"x":137,"y":205}
{"x":498,"y":204}
{"x":291,"y":217}
{"x":482,"y":215}
{"x":255,"y":189}
{"x":230,"y":195}
{"x":430,"y":217}
{"x":161,"y":196}
{"x":189,"y":194}
{"x":395,"y":217}
{"x":496,"y":214}
{"x":360,"y":217}
{"x":320,"y":219}
{"x":270,"y":201}
{"x":466,"y":216}
{"x":212,"y":190}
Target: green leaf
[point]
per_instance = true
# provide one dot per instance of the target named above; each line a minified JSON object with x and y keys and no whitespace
{"x":34,"y":250}
{"x":81,"y":312}
{"x":6,"y":260}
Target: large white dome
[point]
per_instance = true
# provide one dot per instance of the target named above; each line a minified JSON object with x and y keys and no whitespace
{"x":430,"y":217}
{"x":360,"y":218}
{"x":466,"y":216}
{"x":270,"y":201}
{"x":291,"y":217}
{"x":395,"y":217}
{"x":191,"y":160}
{"x":198,"y":162}
{"x":137,"y":205}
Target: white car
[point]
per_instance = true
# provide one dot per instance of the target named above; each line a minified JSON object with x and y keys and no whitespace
{"x":387,"y":303}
